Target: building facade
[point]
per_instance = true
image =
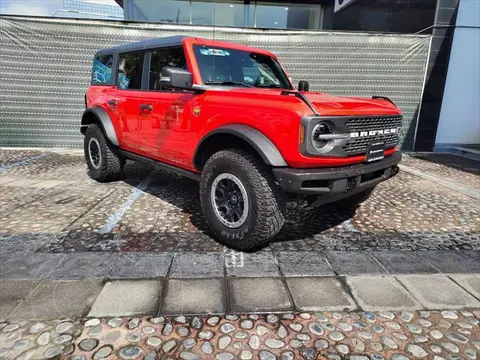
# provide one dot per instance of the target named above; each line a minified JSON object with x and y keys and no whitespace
{"x":91,"y":9}
{"x":459,"y":124}
{"x":435,"y":17}
{"x":400,"y":16}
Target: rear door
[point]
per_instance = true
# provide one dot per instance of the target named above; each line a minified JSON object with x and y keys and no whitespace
{"x":128,"y":97}
{"x":165,"y":121}
{"x":102,"y":87}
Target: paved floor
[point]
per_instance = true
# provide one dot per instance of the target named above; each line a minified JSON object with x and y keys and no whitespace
{"x":73,"y":250}
{"x":49,"y":203}
{"x":327,"y":335}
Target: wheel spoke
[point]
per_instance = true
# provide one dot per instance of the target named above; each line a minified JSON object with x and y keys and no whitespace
{"x":229,"y":215}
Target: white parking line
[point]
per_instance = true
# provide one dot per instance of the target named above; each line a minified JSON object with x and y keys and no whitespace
{"x":22,"y":162}
{"x":115,"y":218}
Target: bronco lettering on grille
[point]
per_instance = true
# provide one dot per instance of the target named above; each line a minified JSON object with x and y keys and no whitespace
{"x":357,"y":134}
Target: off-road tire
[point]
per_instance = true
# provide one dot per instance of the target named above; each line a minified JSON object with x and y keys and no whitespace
{"x":111,"y":164}
{"x":355,"y":200}
{"x":266,"y":201}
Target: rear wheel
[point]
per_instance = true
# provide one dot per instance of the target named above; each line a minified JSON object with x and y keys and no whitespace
{"x":103,"y":161}
{"x":240,"y":200}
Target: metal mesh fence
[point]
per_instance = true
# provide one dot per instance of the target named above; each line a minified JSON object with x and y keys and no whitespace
{"x":45,"y":69}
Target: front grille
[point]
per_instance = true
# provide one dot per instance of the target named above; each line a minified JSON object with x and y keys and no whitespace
{"x":360,"y":144}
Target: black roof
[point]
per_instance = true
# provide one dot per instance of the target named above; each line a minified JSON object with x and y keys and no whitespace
{"x":146,"y":44}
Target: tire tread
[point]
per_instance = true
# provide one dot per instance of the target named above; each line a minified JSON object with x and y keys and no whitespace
{"x":270,"y":199}
{"x":112,"y":166}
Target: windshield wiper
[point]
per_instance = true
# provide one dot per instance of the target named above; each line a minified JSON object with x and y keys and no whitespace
{"x":228,"y":83}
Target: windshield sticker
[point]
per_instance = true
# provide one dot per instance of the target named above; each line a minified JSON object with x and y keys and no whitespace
{"x":214,"y":52}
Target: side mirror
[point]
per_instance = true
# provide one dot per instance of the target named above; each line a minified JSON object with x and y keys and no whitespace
{"x":176,"y":78}
{"x":303,"y":86}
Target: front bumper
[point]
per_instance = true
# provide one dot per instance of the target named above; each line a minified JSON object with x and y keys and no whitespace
{"x":346,"y":180}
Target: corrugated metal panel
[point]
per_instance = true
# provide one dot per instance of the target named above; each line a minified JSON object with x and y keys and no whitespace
{"x":45,"y":69}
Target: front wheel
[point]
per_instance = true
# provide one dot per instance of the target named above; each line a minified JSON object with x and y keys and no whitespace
{"x":240,"y":200}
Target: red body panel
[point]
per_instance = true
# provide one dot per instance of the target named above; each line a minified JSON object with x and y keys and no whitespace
{"x":179,"y":120}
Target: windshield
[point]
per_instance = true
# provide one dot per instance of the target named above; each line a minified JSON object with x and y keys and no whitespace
{"x":224,"y":66}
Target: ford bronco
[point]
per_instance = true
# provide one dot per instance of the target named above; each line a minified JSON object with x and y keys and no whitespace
{"x":228,"y":116}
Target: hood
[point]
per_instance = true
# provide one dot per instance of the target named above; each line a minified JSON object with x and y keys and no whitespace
{"x":325,"y":104}
{"x":329,"y":105}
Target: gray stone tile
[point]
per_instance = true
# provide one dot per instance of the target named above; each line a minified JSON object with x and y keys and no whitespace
{"x":379,"y":293}
{"x":303,"y":263}
{"x":319,"y":294}
{"x":55,"y":299}
{"x":4,"y":258}
{"x":194,"y":296}
{"x":29,"y":266}
{"x":438,"y":292}
{"x":472,"y":254}
{"x":141,"y":265}
{"x":21,"y":243}
{"x":258,"y":295}
{"x":471,"y":283}
{"x":451,"y":261}
{"x":353,"y":263}
{"x":403,"y":262}
{"x":12,"y":293}
{"x":260,"y":264}
{"x":128,"y":298}
{"x":197,"y":265}
{"x":84,"y":266}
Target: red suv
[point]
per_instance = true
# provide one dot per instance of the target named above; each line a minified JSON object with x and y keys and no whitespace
{"x":228,"y":116}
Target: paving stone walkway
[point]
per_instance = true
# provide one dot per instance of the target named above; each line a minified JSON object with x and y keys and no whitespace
{"x":79,"y":256}
{"x":327,"y":335}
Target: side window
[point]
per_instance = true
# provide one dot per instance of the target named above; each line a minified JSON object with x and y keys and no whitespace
{"x":102,"y":70}
{"x":130,"y":67}
{"x":173,"y":57}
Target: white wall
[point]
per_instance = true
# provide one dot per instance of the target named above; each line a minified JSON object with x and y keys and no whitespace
{"x":460,"y":113}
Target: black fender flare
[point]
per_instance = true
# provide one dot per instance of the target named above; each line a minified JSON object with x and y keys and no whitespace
{"x":258,"y":141}
{"x":105,"y":122}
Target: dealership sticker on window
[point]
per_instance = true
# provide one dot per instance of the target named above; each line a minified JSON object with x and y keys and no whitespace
{"x":214,"y":52}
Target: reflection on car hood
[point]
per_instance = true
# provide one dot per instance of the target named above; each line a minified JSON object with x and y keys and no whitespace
{"x":325,"y":104}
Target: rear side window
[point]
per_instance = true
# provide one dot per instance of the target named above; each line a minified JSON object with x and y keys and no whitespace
{"x":172,"y":57}
{"x":102,"y":70}
{"x":130,"y":67}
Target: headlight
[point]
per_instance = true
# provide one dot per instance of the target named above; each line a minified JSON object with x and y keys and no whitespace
{"x":321,"y":136}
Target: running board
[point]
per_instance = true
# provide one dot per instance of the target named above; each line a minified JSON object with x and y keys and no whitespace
{"x":160,"y":165}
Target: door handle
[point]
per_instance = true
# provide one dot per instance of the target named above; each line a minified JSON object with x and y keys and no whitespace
{"x":112,"y":103}
{"x":146,"y":107}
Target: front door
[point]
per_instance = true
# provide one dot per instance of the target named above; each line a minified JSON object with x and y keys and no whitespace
{"x":165,"y":121}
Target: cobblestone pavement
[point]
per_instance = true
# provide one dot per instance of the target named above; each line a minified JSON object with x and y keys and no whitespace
{"x":447,"y":166}
{"x":49,"y":202}
{"x":328,"y":335}
{"x":38,"y":340}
